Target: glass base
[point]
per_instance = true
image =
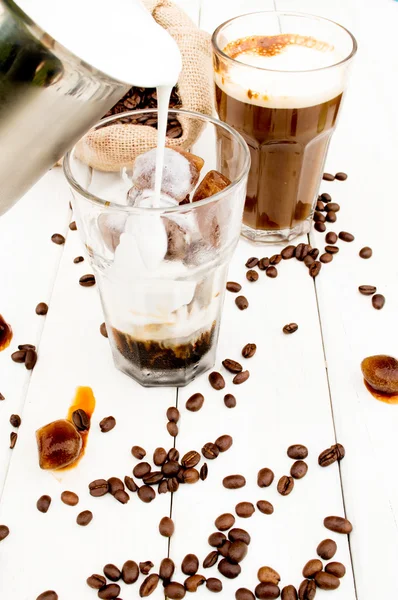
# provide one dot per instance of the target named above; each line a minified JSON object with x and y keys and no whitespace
{"x":276,"y":236}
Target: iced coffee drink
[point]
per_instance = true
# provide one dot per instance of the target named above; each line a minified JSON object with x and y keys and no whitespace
{"x":280,"y":80}
{"x":161,"y":264}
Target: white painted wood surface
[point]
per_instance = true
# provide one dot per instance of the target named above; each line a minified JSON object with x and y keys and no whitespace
{"x":291,"y":395}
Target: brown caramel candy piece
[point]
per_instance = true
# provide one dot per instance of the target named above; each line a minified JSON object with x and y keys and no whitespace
{"x":211,"y":184}
{"x":59,"y":444}
{"x":381,"y":373}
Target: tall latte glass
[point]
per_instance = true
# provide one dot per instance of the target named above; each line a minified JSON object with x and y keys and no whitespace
{"x":280,"y":80}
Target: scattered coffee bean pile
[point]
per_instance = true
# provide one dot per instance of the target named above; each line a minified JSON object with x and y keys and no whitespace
{"x":26,"y":354}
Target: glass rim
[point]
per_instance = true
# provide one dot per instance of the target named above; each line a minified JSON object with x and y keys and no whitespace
{"x":225,"y":56}
{"x":106,"y":204}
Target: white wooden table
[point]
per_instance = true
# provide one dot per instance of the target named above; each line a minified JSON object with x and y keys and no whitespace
{"x":305,"y":388}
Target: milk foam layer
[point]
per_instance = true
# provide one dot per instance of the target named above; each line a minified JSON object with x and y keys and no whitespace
{"x":288,"y":74}
{"x":120,"y":38}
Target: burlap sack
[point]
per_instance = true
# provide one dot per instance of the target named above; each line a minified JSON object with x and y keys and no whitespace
{"x":111,"y":147}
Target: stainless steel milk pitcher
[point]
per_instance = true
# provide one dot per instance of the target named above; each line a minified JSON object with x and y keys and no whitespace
{"x":48,"y":99}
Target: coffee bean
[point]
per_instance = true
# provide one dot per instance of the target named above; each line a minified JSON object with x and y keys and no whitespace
{"x":129,"y":573}
{"x":241,"y":377}
{"x":30,"y":359}
{"x":138,"y":452}
{"x":378,"y":301}
{"x":285,"y":485}
{"x":192,"y":583}
{"x":234,"y":482}
{"x":87,"y":280}
{"x":331,"y":217}
{"x":216,"y":380}
{"x":290,"y":328}
{"x":336,"y":568}
{"x":149,"y":585}
{"x":166,"y":527}
{"x":107,"y":424}
{"x":2,"y":397}
{"x":234,"y":287}
{"x":224,"y":548}
{"x":321,"y":227}
{"x":229,"y":401}
{"x":73,"y":226}
{"x":190,"y":564}
{"x":229,"y":570}
{"x":216,"y":539}
{"x":299,"y":469}
{"x":308,"y":260}
{"x":244,"y":509}
{"x":96,"y":582}
{"x":190,"y":476}
{"x":195,"y":402}
{"x":84,"y":518}
{"x":163,"y":487}
{"x":69,"y":498}
{"x":210,"y":560}
{"x":319,"y":217}
{"x":170,"y":468}
{"x":346,"y":237}
{"x":172,"y":428}
{"x":43,"y":504}
{"x":232,"y":365}
{"x":263,"y":263}
{"x":327,"y":549}
{"x":81,"y":420}
{"x":41,"y":309}
{"x":244,"y":594}
{"x":173,"y":414}
{"x":4,"y":532}
{"x":48,"y":595}
{"x":326,"y":197}
{"x":166,"y":570}
{"x":57,"y":238}
{"x":268,"y":575}
{"x":312,"y":567}
{"x":78,"y":259}
{"x":210,"y":451}
{"x":109,"y":592}
{"x":315,"y":268}
{"x":237,"y":552}
{"x":297,"y":451}
{"x":143,"y":468}
{"x":213,"y":584}
{"x":326,"y":258}
{"x":267,"y":590}
{"x":98,"y":488}
{"x":331,"y":237}
{"x":327,"y":581}
{"x":366,"y":252}
{"x":130,"y":484}
{"x":112,"y":572}
{"x":239,"y":535}
{"x":15,"y":420}
{"x":224,"y":442}
{"x":367,"y":290}
{"x":289,"y":592}
{"x":241,"y":302}
{"x":328,"y":177}
{"x":301,"y":251}
{"x":341,"y":176}
{"x":331,"y":455}
{"x":307,"y":590}
{"x":225,"y":521}
{"x":203,"y":472}
{"x":190,"y":459}
{"x":146,"y":566}
{"x":314,"y":253}
{"x":272,"y":272}
{"x":251,"y":275}
{"x":13,"y":439}
{"x":275,"y":259}
{"x":159,"y":457}
{"x":320,"y":205}
{"x":251,"y":262}
{"x":174,"y":590}
{"x":122,"y":496}
{"x":146,"y":494}
{"x":249,"y":350}
{"x":338,"y":524}
{"x":265,"y":477}
{"x":103,"y":330}
{"x":265,"y":507}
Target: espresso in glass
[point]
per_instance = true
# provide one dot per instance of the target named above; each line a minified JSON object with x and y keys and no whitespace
{"x":280,"y":80}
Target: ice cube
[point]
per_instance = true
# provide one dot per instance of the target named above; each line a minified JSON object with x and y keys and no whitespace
{"x":180,"y":173}
{"x":111,"y":227}
{"x":59,"y":444}
{"x":212,"y":183}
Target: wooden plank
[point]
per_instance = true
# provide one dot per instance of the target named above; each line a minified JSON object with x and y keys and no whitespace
{"x":28,"y":269}
{"x":72,"y":353}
